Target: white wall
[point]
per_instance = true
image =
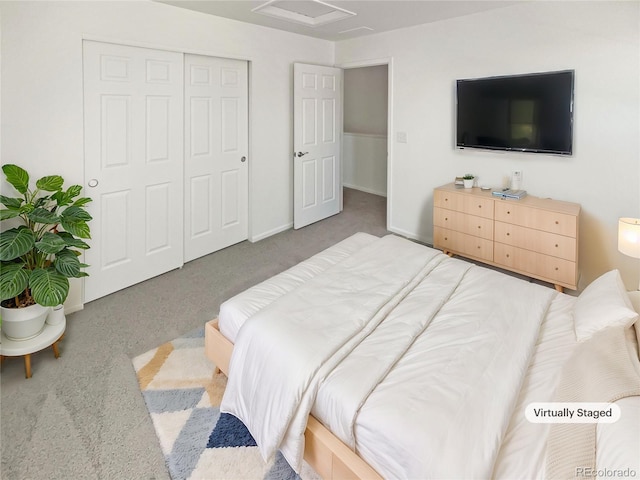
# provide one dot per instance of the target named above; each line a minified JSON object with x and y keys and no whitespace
{"x":41,"y":106}
{"x":365,"y":162}
{"x":599,"y":40}
{"x":365,"y":100}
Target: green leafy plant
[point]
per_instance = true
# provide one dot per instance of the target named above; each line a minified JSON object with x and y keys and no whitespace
{"x":468,"y":176}
{"x":40,"y":255}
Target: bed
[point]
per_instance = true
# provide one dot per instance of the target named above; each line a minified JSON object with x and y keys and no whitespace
{"x":383,"y":358}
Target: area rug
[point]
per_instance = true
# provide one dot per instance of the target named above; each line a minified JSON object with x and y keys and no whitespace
{"x":198,"y":442}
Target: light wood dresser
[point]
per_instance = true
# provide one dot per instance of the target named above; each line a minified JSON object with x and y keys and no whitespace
{"x":537,"y":237}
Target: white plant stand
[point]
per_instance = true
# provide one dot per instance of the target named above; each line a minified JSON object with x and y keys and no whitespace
{"x":49,"y":337}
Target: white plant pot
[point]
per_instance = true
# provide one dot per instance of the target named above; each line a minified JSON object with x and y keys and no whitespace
{"x":468,"y":183}
{"x":23,"y":323}
{"x":56,"y":315}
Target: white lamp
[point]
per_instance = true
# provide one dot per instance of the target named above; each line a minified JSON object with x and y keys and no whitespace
{"x":629,"y":236}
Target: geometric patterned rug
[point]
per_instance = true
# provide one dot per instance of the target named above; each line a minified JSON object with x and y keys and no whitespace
{"x":198,"y":442}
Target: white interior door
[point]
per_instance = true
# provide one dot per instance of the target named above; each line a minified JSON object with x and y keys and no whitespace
{"x":133,"y":107}
{"x":317,"y":132}
{"x":216,"y":150}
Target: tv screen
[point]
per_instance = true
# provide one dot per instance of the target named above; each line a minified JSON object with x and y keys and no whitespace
{"x":525,"y":113}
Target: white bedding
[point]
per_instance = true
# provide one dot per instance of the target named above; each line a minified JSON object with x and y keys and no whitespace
{"x":235,"y":311}
{"x":307,"y":332}
{"x":523,"y":450}
{"x":462,"y":409}
{"x":450,"y":394}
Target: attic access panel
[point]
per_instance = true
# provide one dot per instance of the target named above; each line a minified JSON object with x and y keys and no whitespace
{"x":311,"y":13}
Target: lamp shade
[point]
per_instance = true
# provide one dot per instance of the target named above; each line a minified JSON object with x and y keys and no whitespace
{"x":629,"y":236}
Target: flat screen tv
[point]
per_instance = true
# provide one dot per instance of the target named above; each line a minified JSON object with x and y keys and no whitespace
{"x":523,"y":113}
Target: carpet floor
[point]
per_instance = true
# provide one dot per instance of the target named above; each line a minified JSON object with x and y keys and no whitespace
{"x":82,"y":415}
{"x":198,"y":442}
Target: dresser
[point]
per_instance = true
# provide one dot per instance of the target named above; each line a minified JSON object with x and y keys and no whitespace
{"x":536,"y":237}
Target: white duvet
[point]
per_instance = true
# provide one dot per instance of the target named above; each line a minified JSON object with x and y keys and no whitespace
{"x":413,"y":358}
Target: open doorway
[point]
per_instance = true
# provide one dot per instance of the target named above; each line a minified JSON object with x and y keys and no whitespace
{"x":365,"y":130}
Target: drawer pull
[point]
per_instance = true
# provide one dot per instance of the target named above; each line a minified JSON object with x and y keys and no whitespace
{"x":508,"y":234}
{"x":557,"y":269}
{"x":479,"y":206}
{"x":446,"y":218}
{"x":557,"y":222}
{"x":556,"y":245}
{"x":446,"y":238}
{"x":507,"y":255}
{"x":508,"y":212}
{"x":446,"y":199}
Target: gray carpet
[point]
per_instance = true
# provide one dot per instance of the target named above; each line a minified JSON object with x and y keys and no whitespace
{"x":82,"y":416}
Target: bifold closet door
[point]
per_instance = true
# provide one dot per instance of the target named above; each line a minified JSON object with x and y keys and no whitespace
{"x":133,"y":113}
{"x":216,"y":154}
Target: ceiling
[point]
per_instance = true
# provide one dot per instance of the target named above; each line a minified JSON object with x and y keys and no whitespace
{"x":370,"y":16}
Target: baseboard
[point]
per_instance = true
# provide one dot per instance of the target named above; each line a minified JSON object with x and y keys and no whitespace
{"x":269,"y":233}
{"x":73,"y":308}
{"x":412,"y":236}
{"x":366,"y":190}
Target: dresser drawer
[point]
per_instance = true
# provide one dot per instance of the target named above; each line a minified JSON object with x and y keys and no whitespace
{"x":545,"y":267}
{"x":536,"y":240}
{"x":465,"y":203}
{"x":466,"y":245}
{"x":462,"y":222}
{"x":539,"y":219}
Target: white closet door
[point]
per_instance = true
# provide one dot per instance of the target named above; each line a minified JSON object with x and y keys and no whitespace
{"x":133,"y":108}
{"x":216,"y":149}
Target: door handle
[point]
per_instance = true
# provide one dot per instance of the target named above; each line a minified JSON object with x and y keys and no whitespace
{"x":93,"y":183}
{"x":300,"y":154}
{"x":243,"y":159}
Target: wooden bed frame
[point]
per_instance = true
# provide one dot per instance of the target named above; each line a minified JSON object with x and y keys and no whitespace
{"x":327,"y":454}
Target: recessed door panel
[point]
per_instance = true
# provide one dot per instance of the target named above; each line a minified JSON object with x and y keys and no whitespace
{"x":200,"y":200}
{"x":309,"y":81}
{"x":158,"y":71}
{"x":329,"y":120}
{"x":309,"y":117}
{"x":200,"y":122}
{"x":329,"y":82}
{"x":158,"y":198}
{"x":328,"y":176}
{"x":200,"y":75}
{"x":229,"y":124}
{"x":115,"y":231}
{"x":230,"y":191}
{"x":114,"y":68}
{"x":115,"y":130}
{"x":158,"y":128}
{"x":229,"y":77}
{"x":309,"y":174}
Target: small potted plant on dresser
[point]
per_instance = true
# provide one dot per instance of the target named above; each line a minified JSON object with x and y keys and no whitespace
{"x":40,"y":252}
{"x":468,"y":180}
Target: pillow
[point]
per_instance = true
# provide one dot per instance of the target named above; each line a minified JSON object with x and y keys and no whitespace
{"x":635,"y":301}
{"x":604,"y":303}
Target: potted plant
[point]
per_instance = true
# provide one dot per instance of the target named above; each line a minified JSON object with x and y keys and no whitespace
{"x":40,"y":252}
{"x":467,"y":179}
